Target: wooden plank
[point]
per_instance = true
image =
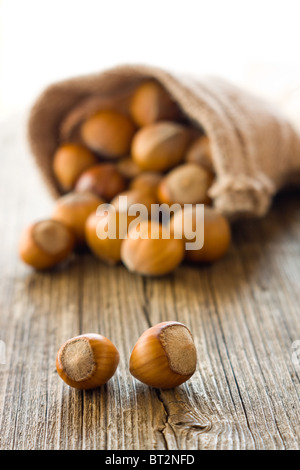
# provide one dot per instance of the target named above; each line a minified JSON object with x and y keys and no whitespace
{"x":243,"y":312}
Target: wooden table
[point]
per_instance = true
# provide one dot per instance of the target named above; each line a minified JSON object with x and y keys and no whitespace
{"x":243,"y":311}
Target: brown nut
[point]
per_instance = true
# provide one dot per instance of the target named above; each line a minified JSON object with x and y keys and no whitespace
{"x":150,"y":103}
{"x":107,"y":249}
{"x":133,"y":197}
{"x":147,"y":182}
{"x":45,"y":244}
{"x":108,"y":133}
{"x":160,"y":146}
{"x":73,"y":210}
{"x":217,"y":234}
{"x":104,"y":180}
{"x":186,"y":184}
{"x":151,"y":256}
{"x":87,"y":361}
{"x":69,"y":162}
{"x":128,"y":168}
{"x":164,"y":356}
{"x":200,"y":152}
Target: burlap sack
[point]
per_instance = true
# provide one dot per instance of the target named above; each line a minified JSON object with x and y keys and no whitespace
{"x":256,"y":151}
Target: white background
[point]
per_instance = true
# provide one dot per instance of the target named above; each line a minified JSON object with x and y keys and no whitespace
{"x":255,"y":42}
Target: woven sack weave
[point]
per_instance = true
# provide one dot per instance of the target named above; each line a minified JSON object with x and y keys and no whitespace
{"x":255,"y":149}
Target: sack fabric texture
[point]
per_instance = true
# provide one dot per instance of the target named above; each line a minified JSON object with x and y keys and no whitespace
{"x":255,"y":149}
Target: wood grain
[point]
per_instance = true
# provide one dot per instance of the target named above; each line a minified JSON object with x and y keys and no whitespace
{"x":243,"y":312}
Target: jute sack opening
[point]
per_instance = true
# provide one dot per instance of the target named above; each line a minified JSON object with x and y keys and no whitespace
{"x":255,"y":150}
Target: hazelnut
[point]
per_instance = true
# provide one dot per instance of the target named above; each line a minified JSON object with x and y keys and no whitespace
{"x":128,"y":168}
{"x":107,"y":249}
{"x":186,"y":184}
{"x":45,"y":244}
{"x":200,"y":152}
{"x":150,"y":103}
{"x":108,"y":133}
{"x":160,"y":146}
{"x":104,"y":180}
{"x":217,"y":234}
{"x":133,"y":196}
{"x":164,"y":356}
{"x":87,"y":361}
{"x":69,"y":162}
{"x":73,"y":209}
{"x":151,"y":256}
{"x":147,"y":182}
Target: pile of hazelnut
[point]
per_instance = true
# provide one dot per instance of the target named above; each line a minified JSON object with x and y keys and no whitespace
{"x":153,"y":155}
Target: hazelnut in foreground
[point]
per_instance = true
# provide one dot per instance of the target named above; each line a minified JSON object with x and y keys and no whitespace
{"x":104,"y":180}
{"x":69,"y":162}
{"x":108,"y":133}
{"x":160,"y":146}
{"x":151,"y":256}
{"x":186,"y":184}
{"x":45,"y":244}
{"x":164,"y":356}
{"x":150,"y":103}
{"x":73,"y":210}
{"x":87,"y":361}
{"x":217,"y":234}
